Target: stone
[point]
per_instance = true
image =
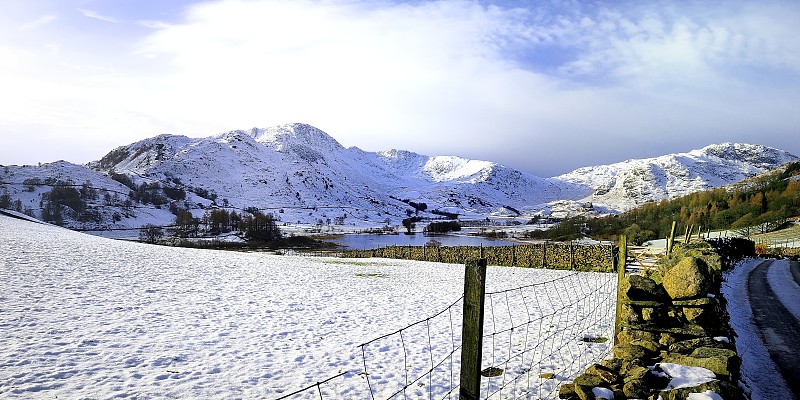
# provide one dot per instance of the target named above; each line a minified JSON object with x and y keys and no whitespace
{"x":584,"y":392}
{"x":694,"y":314}
{"x":683,"y":393}
{"x":635,"y":389}
{"x":713,"y":352}
{"x":547,"y":375}
{"x":567,"y":392}
{"x":690,"y":278}
{"x":650,"y":314}
{"x":628,"y":365}
{"x":688,"y":346}
{"x":701,"y":302}
{"x":587,"y":379}
{"x":631,"y":314}
{"x":719,"y":365}
{"x":636,"y":373}
{"x":614,"y":364}
{"x":630,"y":351}
{"x":666,"y":340}
{"x":630,"y":335}
{"x":637,"y":287}
{"x":607,"y":375}
{"x":648,"y":344}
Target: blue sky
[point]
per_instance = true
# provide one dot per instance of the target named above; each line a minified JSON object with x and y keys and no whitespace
{"x":545,"y":86}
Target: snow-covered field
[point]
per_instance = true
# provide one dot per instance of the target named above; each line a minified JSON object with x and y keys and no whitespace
{"x":88,"y":317}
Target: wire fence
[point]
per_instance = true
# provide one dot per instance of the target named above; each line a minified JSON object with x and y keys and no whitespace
{"x":535,"y":337}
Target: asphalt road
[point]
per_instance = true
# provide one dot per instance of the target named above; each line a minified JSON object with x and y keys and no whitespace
{"x":778,"y":328}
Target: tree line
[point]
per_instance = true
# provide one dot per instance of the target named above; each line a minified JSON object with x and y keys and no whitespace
{"x":755,"y":205}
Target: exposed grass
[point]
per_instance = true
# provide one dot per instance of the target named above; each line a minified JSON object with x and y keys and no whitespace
{"x":789,"y":236}
{"x":372,"y":275}
{"x":349,"y":262}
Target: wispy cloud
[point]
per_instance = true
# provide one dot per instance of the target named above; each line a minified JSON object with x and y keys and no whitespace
{"x":41,"y":21}
{"x":96,"y":15}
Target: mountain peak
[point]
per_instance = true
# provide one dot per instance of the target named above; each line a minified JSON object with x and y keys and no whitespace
{"x":757,"y":155}
{"x":288,"y":136}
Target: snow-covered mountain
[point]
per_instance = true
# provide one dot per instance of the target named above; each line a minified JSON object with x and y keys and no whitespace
{"x":630,"y":183}
{"x":302,"y":175}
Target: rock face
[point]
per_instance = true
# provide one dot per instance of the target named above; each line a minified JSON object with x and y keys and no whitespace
{"x":673,"y":322}
{"x":690,"y":278}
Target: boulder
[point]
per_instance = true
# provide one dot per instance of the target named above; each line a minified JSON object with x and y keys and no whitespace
{"x":607,"y":375}
{"x":613,"y":364}
{"x":688,"y":346}
{"x":629,"y":335}
{"x":630,"y":351}
{"x":666,"y":340}
{"x":567,"y":391}
{"x":683,"y":393}
{"x":638,"y":287}
{"x":587,"y":379}
{"x":690,"y":278}
{"x":722,"y":366}
{"x":635,"y":389}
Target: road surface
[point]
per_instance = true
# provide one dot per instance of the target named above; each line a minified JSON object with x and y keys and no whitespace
{"x":777,"y":324}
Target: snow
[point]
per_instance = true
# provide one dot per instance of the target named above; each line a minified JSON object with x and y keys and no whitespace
{"x":308,"y":175}
{"x":603,"y":393}
{"x":88,"y":317}
{"x":682,"y":376}
{"x":707,"y":395}
{"x":783,"y":284}
{"x":630,"y":183}
{"x":760,"y":376}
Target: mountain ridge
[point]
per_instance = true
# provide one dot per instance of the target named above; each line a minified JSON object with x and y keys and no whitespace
{"x":297,"y":170}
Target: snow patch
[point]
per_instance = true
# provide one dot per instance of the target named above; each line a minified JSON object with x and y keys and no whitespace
{"x":682,"y":376}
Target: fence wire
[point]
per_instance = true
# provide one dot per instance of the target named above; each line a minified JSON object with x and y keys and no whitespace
{"x":536,"y":337}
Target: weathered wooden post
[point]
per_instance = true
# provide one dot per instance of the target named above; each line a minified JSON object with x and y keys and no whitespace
{"x":472,"y":333}
{"x":622,"y":260}
{"x":671,"y":239}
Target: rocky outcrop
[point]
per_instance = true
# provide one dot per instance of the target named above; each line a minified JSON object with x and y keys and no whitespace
{"x":674,"y":319}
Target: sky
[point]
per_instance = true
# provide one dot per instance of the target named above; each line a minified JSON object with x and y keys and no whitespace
{"x":541,"y":86}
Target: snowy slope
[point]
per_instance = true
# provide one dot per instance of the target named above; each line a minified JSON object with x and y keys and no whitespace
{"x":631,"y":183}
{"x":305,"y":173}
{"x":302,"y":175}
{"x":88,"y":317}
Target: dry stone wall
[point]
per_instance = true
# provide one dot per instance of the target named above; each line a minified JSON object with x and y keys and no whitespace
{"x":545,"y":255}
{"x":672,"y":316}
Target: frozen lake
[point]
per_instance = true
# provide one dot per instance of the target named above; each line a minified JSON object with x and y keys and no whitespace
{"x":369,"y":242}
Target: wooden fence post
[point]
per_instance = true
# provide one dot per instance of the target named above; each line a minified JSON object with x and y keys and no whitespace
{"x":671,"y":239}
{"x":472,"y":333}
{"x":623,"y":259}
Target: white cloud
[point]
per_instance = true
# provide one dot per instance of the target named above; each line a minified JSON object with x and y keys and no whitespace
{"x":96,"y":15}
{"x":544,"y":90}
{"x":41,"y":21}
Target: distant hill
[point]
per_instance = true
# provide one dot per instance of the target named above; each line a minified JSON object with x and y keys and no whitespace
{"x":302,"y":175}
